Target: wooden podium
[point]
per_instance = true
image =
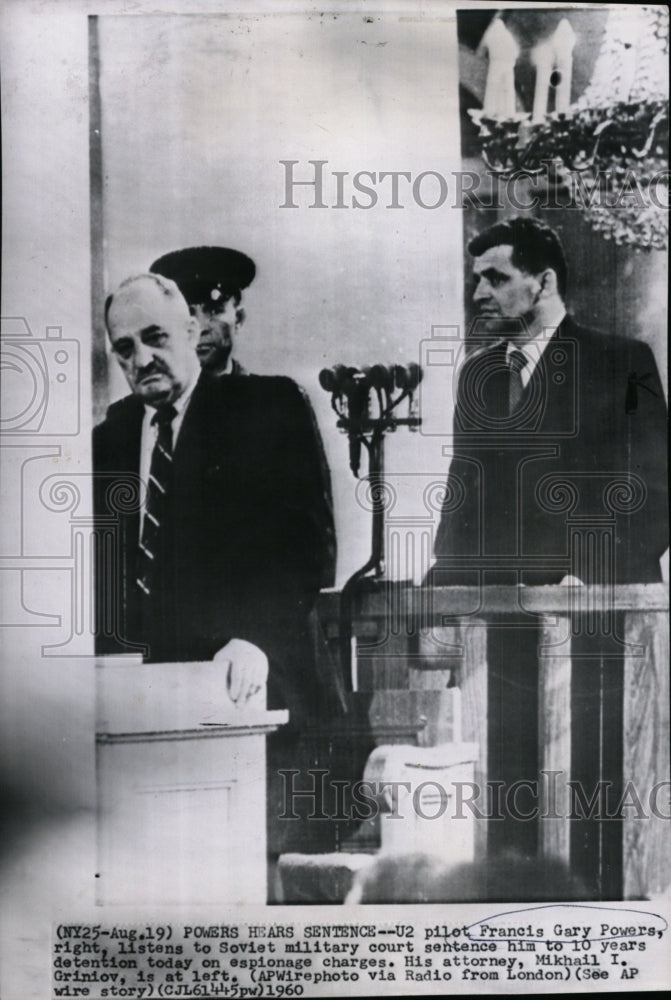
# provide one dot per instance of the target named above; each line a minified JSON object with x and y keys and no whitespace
{"x":181,"y":775}
{"x":577,"y":700}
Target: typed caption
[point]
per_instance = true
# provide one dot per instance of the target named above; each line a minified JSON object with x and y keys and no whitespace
{"x":558,"y":946}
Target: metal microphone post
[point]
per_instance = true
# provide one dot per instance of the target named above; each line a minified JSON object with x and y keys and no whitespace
{"x":365,"y":402}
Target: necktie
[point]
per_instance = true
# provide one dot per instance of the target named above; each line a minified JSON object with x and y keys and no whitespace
{"x":160,"y":475}
{"x":516,"y":361}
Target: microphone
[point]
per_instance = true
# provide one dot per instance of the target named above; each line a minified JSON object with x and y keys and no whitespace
{"x":357,"y":385}
{"x":407,"y":377}
{"x":380,"y":377}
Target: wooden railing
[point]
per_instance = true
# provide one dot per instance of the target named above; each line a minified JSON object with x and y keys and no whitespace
{"x":567,"y":687}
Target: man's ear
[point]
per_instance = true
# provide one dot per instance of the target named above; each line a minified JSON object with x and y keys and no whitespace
{"x":548,"y":283}
{"x":240,"y":316}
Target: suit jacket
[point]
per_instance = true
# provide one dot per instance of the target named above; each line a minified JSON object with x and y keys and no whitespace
{"x":574,"y":482}
{"x":247,"y":538}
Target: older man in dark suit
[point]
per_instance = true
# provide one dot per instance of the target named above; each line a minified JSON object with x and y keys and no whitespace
{"x":227,"y":554}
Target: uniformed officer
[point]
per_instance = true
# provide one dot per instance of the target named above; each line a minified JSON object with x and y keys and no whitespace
{"x":212,"y":280}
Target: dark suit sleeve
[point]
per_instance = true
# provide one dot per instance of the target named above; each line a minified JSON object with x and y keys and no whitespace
{"x":319,"y":475}
{"x":618,"y":460}
{"x":117,"y":495}
{"x":287,"y":537}
{"x":304,"y":505}
{"x":460,"y":529}
{"x":643,"y":531}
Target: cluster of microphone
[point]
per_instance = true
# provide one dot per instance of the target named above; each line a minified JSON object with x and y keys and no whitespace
{"x":343,"y":380}
{"x":365,"y":399}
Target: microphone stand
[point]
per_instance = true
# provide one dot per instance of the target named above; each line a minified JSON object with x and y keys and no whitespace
{"x":355,"y":396}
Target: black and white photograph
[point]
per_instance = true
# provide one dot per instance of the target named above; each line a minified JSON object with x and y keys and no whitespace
{"x":334,"y":550}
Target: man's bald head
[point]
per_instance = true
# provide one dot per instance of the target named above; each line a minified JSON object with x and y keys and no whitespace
{"x":167,"y":287}
{"x":153,"y":336}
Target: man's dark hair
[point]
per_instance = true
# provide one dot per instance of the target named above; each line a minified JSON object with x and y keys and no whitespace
{"x":535,"y":247}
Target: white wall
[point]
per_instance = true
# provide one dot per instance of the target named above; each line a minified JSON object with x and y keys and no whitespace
{"x":198,"y":112}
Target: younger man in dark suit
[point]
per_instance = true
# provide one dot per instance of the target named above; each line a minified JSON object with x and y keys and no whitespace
{"x":558,"y":475}
{"x":559,"y":466}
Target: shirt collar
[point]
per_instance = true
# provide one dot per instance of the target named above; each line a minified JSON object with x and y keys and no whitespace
{"x":533,"y":349}
{"x":182,"y":401}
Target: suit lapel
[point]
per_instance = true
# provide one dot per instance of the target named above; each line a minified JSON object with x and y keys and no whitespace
{"x":552,"y":382}
{"x":122,"y":459}
{"x":202,"y":444}
{"x":190,"y":447}
{"x":127,"y":430}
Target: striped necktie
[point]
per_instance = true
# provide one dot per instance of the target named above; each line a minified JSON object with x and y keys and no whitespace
{"x":160,"y":476}
{"x":516,"y":361}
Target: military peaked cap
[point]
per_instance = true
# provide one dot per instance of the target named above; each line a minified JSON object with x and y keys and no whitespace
{"x":206,"y":275}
